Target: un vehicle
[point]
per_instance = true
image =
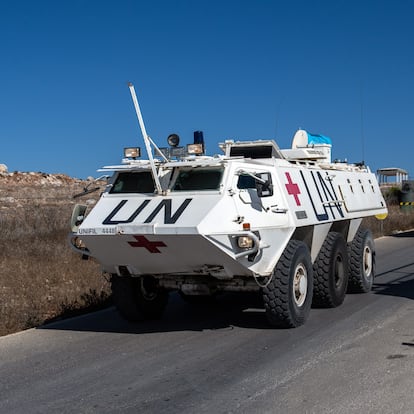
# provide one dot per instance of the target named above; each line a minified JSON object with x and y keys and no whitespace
{"x":284,"y":223}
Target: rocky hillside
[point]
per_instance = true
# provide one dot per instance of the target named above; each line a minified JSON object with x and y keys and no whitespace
{"x":18,"y":189}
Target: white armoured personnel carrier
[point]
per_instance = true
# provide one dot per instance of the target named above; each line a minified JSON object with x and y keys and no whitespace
{"x":285,"y":223}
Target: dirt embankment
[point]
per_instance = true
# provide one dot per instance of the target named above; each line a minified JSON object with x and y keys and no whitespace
{"x":41,"y":278}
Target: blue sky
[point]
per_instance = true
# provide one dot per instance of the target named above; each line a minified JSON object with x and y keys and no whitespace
{"x":235,"y":69}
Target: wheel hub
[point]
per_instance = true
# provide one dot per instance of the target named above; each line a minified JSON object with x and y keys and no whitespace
{"x":339,"y":271}
{"x":300,"y":285}
{"x":367,"y":261}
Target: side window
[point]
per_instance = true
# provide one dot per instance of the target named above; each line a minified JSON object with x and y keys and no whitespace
{"x":264,"y":184}
{"x":246,"y":181}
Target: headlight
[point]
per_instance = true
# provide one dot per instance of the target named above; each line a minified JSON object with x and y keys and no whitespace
{"x":78,"y":243}
{"x":245,"y":242}
{"x":132,"y":152}
{"x":195,"y":149}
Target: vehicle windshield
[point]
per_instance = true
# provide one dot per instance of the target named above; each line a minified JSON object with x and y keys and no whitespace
{"x":133,"y":182}
{"x":198,"y":179}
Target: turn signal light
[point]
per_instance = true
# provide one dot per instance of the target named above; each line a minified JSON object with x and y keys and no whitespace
{"x":246,"y":226}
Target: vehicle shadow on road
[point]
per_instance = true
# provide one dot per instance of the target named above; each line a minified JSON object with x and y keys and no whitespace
{"x":398,"y":287}
{"x":409,"y":233}
{"x":226,"y":312}
{"x":402,"y":286}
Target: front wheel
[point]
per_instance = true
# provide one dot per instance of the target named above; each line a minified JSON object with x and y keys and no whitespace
{"x":288,"y":296}
{"x":138,"y":298}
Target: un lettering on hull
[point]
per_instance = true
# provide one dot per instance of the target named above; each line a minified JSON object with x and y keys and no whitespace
{"x":318,"y":195}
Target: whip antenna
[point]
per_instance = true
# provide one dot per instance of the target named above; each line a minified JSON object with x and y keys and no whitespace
{"x":147,"y":139}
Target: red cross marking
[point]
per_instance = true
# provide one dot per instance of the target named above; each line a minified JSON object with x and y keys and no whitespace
{"x":292,"y":188}
{"x":152,"y":247}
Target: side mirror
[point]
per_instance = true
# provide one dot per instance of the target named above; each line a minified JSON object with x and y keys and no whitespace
{"x":264,"y":185}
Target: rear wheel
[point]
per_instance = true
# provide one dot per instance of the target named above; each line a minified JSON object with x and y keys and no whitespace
{"x":288,"y":296}
{"x":138,"y":298}
{"x":331,"y":272}
{"x":361,"y":262}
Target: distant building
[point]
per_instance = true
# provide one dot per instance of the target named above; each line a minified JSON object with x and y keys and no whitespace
{"x":391,"y":176}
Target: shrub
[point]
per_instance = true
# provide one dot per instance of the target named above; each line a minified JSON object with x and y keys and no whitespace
{"x":392,"y":195}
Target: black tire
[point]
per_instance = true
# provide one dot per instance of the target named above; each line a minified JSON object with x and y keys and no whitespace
{"x":331,"y":270}
{"x":288,"y":297}
{"x":138,"y":298}
{"x":361,"y":253}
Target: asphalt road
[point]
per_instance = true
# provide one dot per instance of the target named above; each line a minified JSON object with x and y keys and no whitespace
{"x":224,"y":358}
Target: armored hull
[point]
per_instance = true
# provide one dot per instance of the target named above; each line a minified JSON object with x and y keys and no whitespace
{"x":282,"y":222}
{"x":191,"y":231}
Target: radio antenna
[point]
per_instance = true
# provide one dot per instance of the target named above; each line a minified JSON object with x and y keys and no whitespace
{"x":147,"y":139}
{"x":362,"y":124}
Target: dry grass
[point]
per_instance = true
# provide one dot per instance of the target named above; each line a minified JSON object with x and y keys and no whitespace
{"x":398,"y":220}
{"x":41,"y":278}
